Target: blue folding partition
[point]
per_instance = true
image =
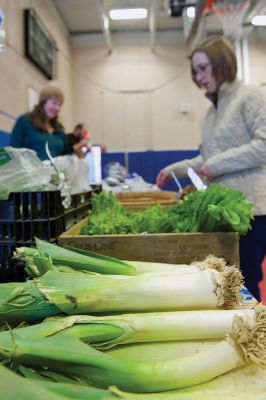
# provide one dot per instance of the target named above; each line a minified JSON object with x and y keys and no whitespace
{"x":148,"y":163}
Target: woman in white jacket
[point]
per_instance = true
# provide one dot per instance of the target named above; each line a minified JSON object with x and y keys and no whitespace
{"x":233,"y":150}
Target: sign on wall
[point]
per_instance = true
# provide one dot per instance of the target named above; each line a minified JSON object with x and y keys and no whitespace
{"x":40,"y":48}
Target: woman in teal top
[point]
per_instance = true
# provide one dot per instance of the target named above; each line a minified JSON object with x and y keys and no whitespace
{"x":42,"y":125}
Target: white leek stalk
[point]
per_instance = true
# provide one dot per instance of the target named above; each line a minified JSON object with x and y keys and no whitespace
{"x":209,"y":262}
{"x":77,"y":293}
{"x":108,"y":331}
{"x":115,"y":330}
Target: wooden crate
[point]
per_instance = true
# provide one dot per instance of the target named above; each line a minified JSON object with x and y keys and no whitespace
{"x":176,"y":248}
{"x":139,"y":201}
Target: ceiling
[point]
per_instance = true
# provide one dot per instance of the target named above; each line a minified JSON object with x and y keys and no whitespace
{"x":89,"y":17}
{"x":85,"y":16}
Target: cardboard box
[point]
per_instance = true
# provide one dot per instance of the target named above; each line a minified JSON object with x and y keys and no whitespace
{"x":176,"y":248}
{"x":139,"y":201}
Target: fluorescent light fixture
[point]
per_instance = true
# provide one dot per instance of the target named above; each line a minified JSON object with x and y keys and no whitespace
{"x":191,"y":11}
{"x":128,"y":13}
{"x":259,"y":20}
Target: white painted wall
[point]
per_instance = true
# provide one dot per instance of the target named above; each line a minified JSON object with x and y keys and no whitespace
{"x":17,"y":73}
{"x":131,"y":98}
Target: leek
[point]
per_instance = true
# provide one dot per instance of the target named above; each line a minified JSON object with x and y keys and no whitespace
{"x":150,"y":327}
{"x":79,"y":259}
{"x":38,"y":265}
{"x":77,"y":293}
{"x":245,"y":344}
{"x":15,"y":387}
{"x":108,"y":331}
{"x":146,"y":266}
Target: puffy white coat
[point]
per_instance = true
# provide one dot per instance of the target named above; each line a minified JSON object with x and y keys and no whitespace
{"x":234,"y":143}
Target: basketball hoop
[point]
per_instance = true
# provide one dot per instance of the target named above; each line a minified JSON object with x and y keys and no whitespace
{"x":231,"y":15}
{"x":208,"y":6}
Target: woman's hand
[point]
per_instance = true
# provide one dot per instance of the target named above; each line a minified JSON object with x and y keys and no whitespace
{"x":162,"y":178}
{"x":80,"y":144}
{"x":78,"y":148}
{"x":204,"y":172}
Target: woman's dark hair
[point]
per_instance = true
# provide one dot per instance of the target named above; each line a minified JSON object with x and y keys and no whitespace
{"x":38,"y":116}
{"x":221,"y":54}
{"x":79,"y":126}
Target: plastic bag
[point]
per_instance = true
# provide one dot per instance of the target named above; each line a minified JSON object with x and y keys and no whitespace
{"x":138,"y":184}
{"x":75,"y":171}
{"x":21,"y":170}
{"x":115,"y":170}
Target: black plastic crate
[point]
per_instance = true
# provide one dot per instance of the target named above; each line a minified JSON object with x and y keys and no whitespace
{"x":69,"y":217}
{"x":96,"y":188}
{"x":82,"y":212}
{"x":79,"y":207}
{"x":24,"y":216}
{"x":31,"y":206}
{"x":10,"y":270}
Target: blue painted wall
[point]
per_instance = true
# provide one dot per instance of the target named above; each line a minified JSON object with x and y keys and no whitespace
{"x":148,"y":163}
{"x":4,"y":138}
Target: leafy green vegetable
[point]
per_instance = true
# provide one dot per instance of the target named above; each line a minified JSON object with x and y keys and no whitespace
{"x":107,"y":216}
{"x":216,"y":209}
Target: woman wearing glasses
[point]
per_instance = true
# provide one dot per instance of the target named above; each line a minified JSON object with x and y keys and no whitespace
{"x":233,"y":150}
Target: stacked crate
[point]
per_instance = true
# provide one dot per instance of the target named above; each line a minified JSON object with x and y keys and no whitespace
{"x":80,"y":204}
{"x":24,"y":216}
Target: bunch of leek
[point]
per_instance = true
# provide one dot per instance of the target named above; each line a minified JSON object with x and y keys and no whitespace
{"x":68,"y":281}
{"x":245,"y":344}
{"x":59,"y":287}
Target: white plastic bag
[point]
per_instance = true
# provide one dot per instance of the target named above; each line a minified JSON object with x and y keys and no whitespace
{"x":76,"y":172}
{"x":21,"y":170}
